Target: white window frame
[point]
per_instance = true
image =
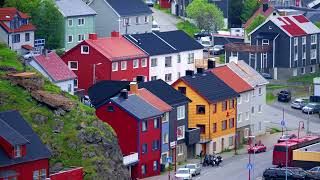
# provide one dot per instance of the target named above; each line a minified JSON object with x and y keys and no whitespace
{"x":231,"y":143}
{"x":153,"y":78}
{"x":183,"y":130}
{"x":165,"y":117}
{"x":168,"y":79}
{"x":247,"y":97}
{"x":165,"y":139}
{"x":239,"y":117}
{"x":142,"y":126}
{"x":295,"y":41}
{"x":114,"y":68}
{"x":313,"y":39}
{"x":17,"y":151}
{"x":71,"y":38}
{"x":239,"y":99}
{"x":69,"y":65}
{"x":137,"y":20}
{"x":82,"y":51}
{"x":135,"y":63}
{"x":265,"y":42}
{"x":144,"y":62}
{"x":146,"y":19}
{"x":294,"y":72}
{"x":181,"y":112}
{"x":156,"y":123}
{"x":75,"y":83}
{"x":179,"y":150}
{"x":70,"y":20}
{"x":123,"y":65}
{"x":247,"y":115}
{"x":313,"y":56}
{"x":313,"y":69}
{"x":260,"y":91}
{"x":35,"y":175}
{"x":304,"y":40}
{"x":303,"y":70}
{"x":125,"y":20}
{"x":260,"y":108}
{"x":190,"y":58}
{"x":154,"y":60}
{"x":82,"y":37}
{"x":82,"y":20}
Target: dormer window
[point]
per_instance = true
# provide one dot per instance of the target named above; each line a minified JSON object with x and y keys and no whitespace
{"x":17,"y":151}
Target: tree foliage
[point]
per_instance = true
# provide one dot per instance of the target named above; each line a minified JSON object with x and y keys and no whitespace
{"x":45,"y":16}
{"x":249,"y":7}
{"x":255,"y":23}
{"x":235,"y":10}
{"x":317,"y":24}
{"x":207,"y":16}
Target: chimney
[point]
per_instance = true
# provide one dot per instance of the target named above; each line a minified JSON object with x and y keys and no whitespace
{"x":140,"y":79}
{"x":134,"y":87}
{"x":124,"y":94}
{"x":189,"y":73}
{"x":93,"y":36}
{"x":199,"y":70}
{"x":211,"y":64}
{"x":265,"y":6}
{"x":115,"y":34}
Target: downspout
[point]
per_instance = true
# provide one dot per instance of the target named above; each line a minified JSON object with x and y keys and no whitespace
{"x":290,"y":54}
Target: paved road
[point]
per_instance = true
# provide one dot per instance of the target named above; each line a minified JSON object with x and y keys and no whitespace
{"x":165,"y":21}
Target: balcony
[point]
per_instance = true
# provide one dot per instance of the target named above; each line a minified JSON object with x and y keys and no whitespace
{"x":192,"y":136}
{"x":243,"y":47}
{"x":130,"y":159}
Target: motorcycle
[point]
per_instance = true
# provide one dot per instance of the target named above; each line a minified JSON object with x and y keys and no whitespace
{"x":208,"y":160}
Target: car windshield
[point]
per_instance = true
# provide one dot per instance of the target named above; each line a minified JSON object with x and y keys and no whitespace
{"x":284,"y":92}
{"x":311,"y":105}
{"x":191,"y":166}
{"x":182,"y":171}
{"x":206,"y":42}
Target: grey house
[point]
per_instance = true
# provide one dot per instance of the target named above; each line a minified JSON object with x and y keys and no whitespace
{"x":124,"y":16}
{"x":283,"y":46}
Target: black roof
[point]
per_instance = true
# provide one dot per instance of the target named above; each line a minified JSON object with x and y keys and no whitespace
{"x":165,"y":92}
{"x":102,"y":91}
{"x":210,"y":87}
{"x":151,"y":44}
{"x":180,"y":40}
{"x":137,"y":107}
{"x":129,"y":7}
{"x":10,"y":135}
{"x":36,"y":150}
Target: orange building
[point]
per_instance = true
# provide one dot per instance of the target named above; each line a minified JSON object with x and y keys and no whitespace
{"x":213,"y":109}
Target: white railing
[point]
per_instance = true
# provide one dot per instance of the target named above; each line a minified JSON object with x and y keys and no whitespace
{"x":132,"y":158}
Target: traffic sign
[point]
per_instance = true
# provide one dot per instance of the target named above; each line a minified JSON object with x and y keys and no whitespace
{"x":173,"y":144}
{"x":249,"y":166}
{"x":169,"y":159}
{"x":282,"y":123}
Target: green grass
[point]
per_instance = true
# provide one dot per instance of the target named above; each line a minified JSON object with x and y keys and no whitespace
{"x":306,"y":79}
{"x":222,"y":59}
{"x":188,"y":28}
{"x":275,"y":86}
{"x":275,"y":130}
{"x":270,"y":97}
{"x":9,"y":59}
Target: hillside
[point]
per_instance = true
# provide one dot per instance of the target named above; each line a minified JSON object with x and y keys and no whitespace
{"x":75,"y":138}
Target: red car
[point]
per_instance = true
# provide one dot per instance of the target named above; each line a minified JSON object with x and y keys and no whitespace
{"x":257,"y":148}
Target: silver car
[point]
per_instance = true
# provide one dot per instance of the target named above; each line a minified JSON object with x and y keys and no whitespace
{"x":183,"y":174}
{"x":195,"y":169}
{"x":299,"y":103}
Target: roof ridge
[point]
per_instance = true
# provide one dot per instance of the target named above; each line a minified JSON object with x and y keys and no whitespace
{"x":14,"y":130}
{"x":165,"y":41}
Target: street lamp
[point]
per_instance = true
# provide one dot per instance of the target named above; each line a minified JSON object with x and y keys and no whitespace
{"x":300,"y":127}
{"x":249,"y":138}
{"x":94,"y":72}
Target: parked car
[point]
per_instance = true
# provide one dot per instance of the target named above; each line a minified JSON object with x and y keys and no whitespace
{"x":183,"y":173}
{"x":206,"y":43}
{"x":311,"y":108}
{"x":280,"y":173}
{"x":306,"y":174}
{"x":31,"y":54}
{"x":257,"y":149}
{"x":286,"y":137}
{"x":195,"y":169}
{"x":201,"y":34}
{"x":299,"y":103}
{"x":150,"y":3}
{"x":315,"y":171}
{"x":284,"y":96}
{"x":155,"y":26}
{"x":266,"y":75}
{"x":218,"y":49}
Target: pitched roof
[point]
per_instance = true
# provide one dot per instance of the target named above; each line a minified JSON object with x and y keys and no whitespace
{"x":10,"y":135}
{"x":258,"y":12}
{"x":116,"y":48}
{"x":137,"y":107}
{"x":70,"y":8}
{"x":102,"y":91}
{"x":36,"y":150}
{"x":165,"y":92}
{"x":7,"y":14}
{"x":27,"y":27}
{"x":154,"y":100}
{"x":231,"y":79}
{"x":210,"y":87}
{"x":180,"y":40}
{"x":151,"y":44}
{"x":53,"y":65}
{"x":129,"y":7}
{"x":247,"y":73}
{"x":313,"y":16}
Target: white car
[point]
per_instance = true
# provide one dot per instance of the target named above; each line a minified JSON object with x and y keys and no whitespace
{"x":195,"y":169}
{"x":155,"y":26}
{"x":206,"y":43}
{"x":299,"y":103}
{"x":183,"y":174}
{"x":31,"y":54}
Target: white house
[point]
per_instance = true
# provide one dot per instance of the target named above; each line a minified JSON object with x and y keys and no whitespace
{"x":51,"y":66}
{"x":171,"y":53}
{"x":257,"y":97}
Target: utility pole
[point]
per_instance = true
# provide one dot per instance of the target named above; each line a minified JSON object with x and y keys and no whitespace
{"x":282,"y":119}
{"x":308,"y":122}
{"x":286,"y":159}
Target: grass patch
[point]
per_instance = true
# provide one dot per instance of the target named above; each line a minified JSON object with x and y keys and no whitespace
{"x":222,"y":59}
{"x":188,"y":28}
{"x":306,"y":79}
{"x":270,"y":97}
{"x":275,"y":130}
{"x":275,"y":86}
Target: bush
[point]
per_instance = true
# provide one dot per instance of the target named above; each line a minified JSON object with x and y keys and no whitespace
{"x":188,"y":28}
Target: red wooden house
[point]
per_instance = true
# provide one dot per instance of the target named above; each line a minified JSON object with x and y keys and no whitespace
{"x":165,"y":4}
{"x":22,"y":154}
{"x":111,"y":58}
{"x":138,"y":127}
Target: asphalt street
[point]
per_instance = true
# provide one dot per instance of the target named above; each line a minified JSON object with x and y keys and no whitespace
{"x":165,"y":21}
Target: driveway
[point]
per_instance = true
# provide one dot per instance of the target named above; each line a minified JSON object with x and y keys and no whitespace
{"x":166,"y":21}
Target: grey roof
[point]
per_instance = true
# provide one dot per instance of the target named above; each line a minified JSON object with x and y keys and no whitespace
{"x":129,"y":7}
{"x":70,"y":8}
{"x":247,"y":73}
{"x":137,"y":107}
{"x":11,"y":135}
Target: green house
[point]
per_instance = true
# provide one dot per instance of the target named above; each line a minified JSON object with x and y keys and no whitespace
{"x":79,"y":21}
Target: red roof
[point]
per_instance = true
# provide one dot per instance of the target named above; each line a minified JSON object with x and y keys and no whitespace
{"x":258,"y":12}
{"x":7,"y":14}
{"x":231,"y":79}
{"x":154,"y":100}
{"x":27,"y":47}
{"x":55,"y":67}
{"x":116,"y":48}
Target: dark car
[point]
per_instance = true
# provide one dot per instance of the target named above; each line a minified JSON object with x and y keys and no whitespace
{"x":315,"y":171}
{"x":306,"y":174}
{"x":201,"y":34}
{"x":311,"y":108}
{"x":280,"y":173}
{"x":284,"y":96}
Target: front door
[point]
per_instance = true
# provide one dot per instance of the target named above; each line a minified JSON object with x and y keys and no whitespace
{"x":177,"y":9}
{"x":204,"y":148}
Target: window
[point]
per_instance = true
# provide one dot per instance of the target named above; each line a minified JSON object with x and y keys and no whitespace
{"x":231,"y":123}
{"x":17,"y":151}
{"x":123,"y":65}
{"x":190,"y":58}
{"x":126,"y":22}
{"x":214,"y":109}
{"x":231,"y":103}
{"x":178,"y":75}
{"x":214,"y":146}
{"x":313,"y":53}
{"x":180,"y":132}
{"x":312,"y":69}
{"x":180,"y":150}
{"x":135,"y":63}
{"x":234,"y":54}
{"x":146,"y":19}
{"x":153,"y":78}
{"x":75,"y":83}
{"x":80,"y":21}
{"x":144,"y":126}
{"x":16,"y":38}
{"x":295,"y":41}
{"x":253,"y":93}
{"x":304,"y":51}
{"x":165,"y":117}
{"x":168,"y":77}
{"x":73,"y":65}
{"x":214,"y":127}
{"x":110,"y":109}
{"x":239,"y":99}
{"x":304,"y":40}
{"x":155,"y":145}
{"x":154,"y":62}
{"x":202,"y":128}
{"x":165,"y":138}
{"x":239,"y":117}
{"x":70,"y":39}
{"x":155,"y":165}
{"x":178,"y":58}
{"x":201,"y":109}
{"x":302,"y":70}
{"x":224,"y":105}
{"x":224,"y":125}
{"x":144,"y":62}
{"x":143,"y":169}
{"x":247,"y":97}
{"x":313,"y":39}
{"x":181,"y":112}
{"x":260,"y":124}
{"x":252,"y":110}
{"x":80,"y":37}
{"x":40,"y":174}
{"x":260,"y":91}
{"x":183,"y":90}
{"x":231,"y":141}
{"x":137,"y":20}
{"x":156,"y":123}
{"x":265,"y":42}
{"x":84,"y":49}
{"x":168,"y":61}
{"x":69,"y":87}
{"x":36,"y":175}
{"x":260,"y":108}
{"x":295,"y":72}
{"x":115,"y":66}
{"x":27,"y":37}
{"x":295,"y":52}
{"x":247,"y":115}
{"x":144,"y":148}
{"x":70,"y":22}
{"x":246,"y":132}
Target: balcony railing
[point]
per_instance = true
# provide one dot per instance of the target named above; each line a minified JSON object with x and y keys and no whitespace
{"x":130,"y":159}
{"x":243,"y":47}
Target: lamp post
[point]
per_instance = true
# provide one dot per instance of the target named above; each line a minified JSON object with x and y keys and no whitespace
{"x":300,"y":127}
{"x":94,"y":72}
{"x":287,"y":159}
{"x":249,"y":138}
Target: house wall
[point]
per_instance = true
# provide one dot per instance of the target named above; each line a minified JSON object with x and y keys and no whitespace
{"x":136,"y":28}
{"x":130,"y":73}
{"x":76,"y":174}
{"x":25,"y":170}
{"x":75,"y":29}
{"x":3,"y":36}
{"x":17,"y":46}
{"x":6,"y":147}
{"x":165,"y":130}
{"x":244,"y":107}
{"x":257,"y":117}
{"x":164,"y":3}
